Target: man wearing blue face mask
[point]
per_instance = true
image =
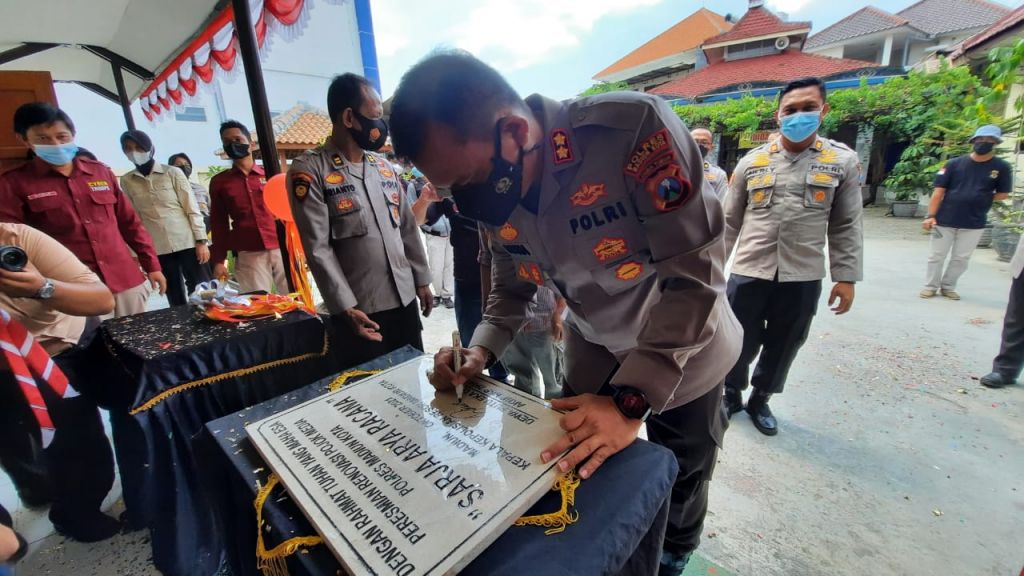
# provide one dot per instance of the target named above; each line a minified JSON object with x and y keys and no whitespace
{"x":78,"y":202}
{"x":786,"y":199}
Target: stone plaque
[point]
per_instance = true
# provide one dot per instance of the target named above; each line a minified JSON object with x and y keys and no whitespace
{"x":402,"y":480}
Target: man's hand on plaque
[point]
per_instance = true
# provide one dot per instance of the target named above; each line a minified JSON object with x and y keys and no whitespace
{"x":363,"y":326}
{"x":474,"y":360}
{"x":595,"y":430}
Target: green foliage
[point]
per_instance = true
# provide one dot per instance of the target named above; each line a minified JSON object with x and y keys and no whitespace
{"x":212,"y":171}
{"x":913,"y":173}
{"x":602,"y":87}
{"x":1004,"y":71}
{"x":735,"y":116}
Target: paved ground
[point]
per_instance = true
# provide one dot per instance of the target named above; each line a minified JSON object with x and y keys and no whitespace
{"x":891,"y":458}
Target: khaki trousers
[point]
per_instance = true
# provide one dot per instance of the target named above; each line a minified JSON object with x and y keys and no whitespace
{"x":263,"y":270}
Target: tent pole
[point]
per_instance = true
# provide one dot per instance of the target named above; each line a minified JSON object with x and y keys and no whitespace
{"x":122,"y":96}
{"x":249,"y":51}
{"x":257,"y":90}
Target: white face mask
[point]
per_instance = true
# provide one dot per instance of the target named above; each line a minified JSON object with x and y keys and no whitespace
{"x":139,"y":158}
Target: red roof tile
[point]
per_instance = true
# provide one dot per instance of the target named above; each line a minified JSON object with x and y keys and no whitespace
{"x":776,"y":68}
{"x":758,"y":21}
{"x":687,"y":34}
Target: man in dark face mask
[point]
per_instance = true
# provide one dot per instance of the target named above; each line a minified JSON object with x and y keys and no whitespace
{"x":357,"y":227}
{"x":240,"y":220}
{"x":964,"y":191}
{"x":602,"y":200}
{"x":714,"y":176}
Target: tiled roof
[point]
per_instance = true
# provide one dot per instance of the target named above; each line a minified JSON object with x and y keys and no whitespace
{"x":867,"y":20}
{"x":758,"y":21}
{"x":936,"y":17}
{"x":1009,"y":22}
{"x":687,"y":34}
{"x":773,"y":69}
{"x":302,"y":124}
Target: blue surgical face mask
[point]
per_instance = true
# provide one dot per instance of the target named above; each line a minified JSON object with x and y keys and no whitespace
{"x":56,"y":154}
{"x":799,"y":126}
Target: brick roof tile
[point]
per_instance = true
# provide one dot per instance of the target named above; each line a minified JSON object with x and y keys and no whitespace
{"x":774,"y":69}
{"x":867,"y":20}
{"x":937,"y":17}
{"x":758,"y":21}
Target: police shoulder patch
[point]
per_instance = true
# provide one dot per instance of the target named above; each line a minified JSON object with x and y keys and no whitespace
{"x":646,"y":151}
{"x":669,"y":189}
{"x":300,"y":184}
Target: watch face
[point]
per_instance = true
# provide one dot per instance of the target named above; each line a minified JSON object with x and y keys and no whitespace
{"x":632,"y":404}
{"x":47,"y":290}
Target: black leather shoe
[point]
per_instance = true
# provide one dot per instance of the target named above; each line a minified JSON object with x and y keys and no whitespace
{"x":733,"y":401}
{"x":448,"y":303}
{"x":996,"y":380}
{"x":92,"y":527}
{"x":761,"y":414}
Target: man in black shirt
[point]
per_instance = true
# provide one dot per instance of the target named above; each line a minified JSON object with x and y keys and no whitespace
{"x":964,"y":191}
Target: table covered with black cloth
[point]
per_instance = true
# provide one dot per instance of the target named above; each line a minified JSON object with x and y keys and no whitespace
{"x":163,"y":375}
{"x":623,"y":508}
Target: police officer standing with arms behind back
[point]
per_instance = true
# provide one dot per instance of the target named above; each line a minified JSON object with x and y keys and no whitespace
{"x":357,"y":228}
{"x":785,"y":199}
{"x":601,"y":200}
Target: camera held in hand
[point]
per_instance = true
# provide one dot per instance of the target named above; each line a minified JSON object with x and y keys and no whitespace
{"x":13,"y":258}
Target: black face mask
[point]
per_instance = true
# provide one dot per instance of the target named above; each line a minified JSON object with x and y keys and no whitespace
{"x":236,"y":150}
{"x":704,"y":150}
{"x":494,"y":200}
{"x":186,"y":169}
{"x":983,"y":148}
{"x":373,"y":135}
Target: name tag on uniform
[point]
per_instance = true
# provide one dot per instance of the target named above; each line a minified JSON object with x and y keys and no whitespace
{"x":827,"y":169}
{"x":40,"y":195}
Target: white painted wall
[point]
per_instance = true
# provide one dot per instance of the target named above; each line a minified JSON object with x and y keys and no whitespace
{"x":298,"y":71}
{"x":834,"y":52}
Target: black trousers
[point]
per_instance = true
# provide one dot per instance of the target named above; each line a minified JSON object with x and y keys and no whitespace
{"x":78,"y":465}
{"x":183,"y":272}
{"x":693,"y":432}
{"x":776,"y":318}
{"x":398,"y":326}
{"x":1011,"y":351}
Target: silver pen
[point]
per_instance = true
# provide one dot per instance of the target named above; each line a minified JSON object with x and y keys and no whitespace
{"x":457,"y":361}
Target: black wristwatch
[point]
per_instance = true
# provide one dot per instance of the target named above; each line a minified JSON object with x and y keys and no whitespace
{"x":632,"y":403}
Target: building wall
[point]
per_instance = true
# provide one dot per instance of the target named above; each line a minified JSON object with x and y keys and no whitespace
{"x":835,"y":52}
{"x":297,"y":71}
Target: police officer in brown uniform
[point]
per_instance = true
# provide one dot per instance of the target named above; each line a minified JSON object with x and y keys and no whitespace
{"x":601,"y":200}
{"x":714,"y":176}
{"x":357,"y":227}
{"x":786,"y":198}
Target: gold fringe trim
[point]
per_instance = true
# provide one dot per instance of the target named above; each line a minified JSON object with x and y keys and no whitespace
{"x":149,"y":404}
{"x":344,"y":377}
{"x":556,"y":522}
{"x":274,"y":562}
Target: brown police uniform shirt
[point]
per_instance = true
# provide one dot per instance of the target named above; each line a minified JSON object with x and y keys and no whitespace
{"x":360,"y":236}
{"x":782,"y":207}
{"x":627,"y":234}
{"x":55,"y":331}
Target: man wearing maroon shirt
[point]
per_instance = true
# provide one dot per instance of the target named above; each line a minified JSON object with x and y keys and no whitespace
{"x":78,"y":202}
{"x":238,"y":193}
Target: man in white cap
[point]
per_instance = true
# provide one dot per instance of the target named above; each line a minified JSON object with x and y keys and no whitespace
{"x":964,"y":191}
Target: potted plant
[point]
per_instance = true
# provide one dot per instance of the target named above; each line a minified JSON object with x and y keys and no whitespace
{"x":910,"y":178}
{"x":1006,"y":228}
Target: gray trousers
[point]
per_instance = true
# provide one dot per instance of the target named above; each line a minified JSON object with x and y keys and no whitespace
{"x":961,"y":242}
{"x":531,"y":359}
